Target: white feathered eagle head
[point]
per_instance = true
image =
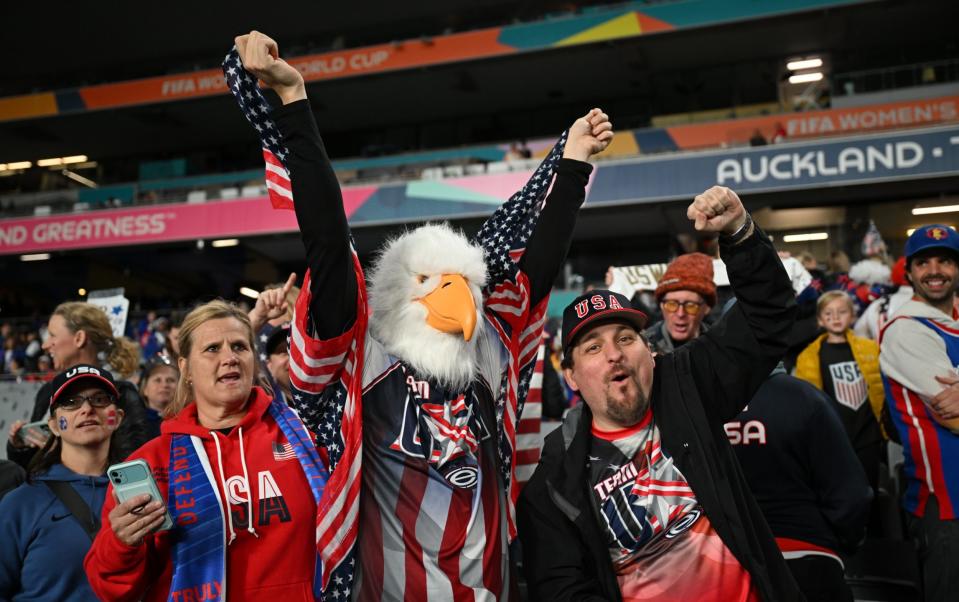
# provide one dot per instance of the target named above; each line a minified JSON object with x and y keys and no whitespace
{"x":425,"y":293}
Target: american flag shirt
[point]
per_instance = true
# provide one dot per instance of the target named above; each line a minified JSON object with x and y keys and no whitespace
{"x":661,"y":543}
{"x":436,"y":472}
{"x":467,"y":438}
{"x":433,"y":509}
{"x":332,"y":383}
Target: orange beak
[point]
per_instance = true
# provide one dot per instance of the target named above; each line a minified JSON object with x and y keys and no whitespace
{"x":451,"y":307}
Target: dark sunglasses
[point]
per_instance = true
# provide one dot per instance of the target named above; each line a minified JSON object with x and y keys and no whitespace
{"x":98,"y":400}
{"x":672,"y":306}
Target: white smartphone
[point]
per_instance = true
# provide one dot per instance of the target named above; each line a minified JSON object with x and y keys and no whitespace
{"x":132,"y":478}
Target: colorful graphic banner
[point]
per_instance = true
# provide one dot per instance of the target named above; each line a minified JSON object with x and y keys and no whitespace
{"x":597,"y":25}
{"x":808,"y":124}
{"x":868,"y":159}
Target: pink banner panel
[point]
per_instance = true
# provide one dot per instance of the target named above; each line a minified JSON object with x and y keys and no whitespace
{"x":157,"y":223}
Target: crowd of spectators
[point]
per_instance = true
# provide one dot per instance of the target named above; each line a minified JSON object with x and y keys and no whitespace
{"x":835,"y":348}
{"x":848,"y":304}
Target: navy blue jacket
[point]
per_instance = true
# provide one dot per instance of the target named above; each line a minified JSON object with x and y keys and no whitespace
{"x":42,"y":549}
{"x":800,"y":465}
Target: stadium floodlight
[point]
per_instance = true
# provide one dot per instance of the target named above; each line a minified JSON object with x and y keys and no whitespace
{"x":936,"y":209}
{"x":55,"y":161}
{"x":806,"y":236}
{"x":19,"y":165}
{"x":82,"y":292}
{"x":805,"y":78}
{"x":249,"y":292}
{"x":800,"y":64}
{"x":35,"y":257}
{"x":225,"y":242}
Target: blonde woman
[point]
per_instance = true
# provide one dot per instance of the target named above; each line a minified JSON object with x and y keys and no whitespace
{"x":80,"y":333}
{"x":239,"y":473}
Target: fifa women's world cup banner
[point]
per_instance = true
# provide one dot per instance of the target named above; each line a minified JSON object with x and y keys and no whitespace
{"x":599,"y":24}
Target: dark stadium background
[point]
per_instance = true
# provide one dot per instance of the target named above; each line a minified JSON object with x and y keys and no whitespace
{"x":529,"y":95}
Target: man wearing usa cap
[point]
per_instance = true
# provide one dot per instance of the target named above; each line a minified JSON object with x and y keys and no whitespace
{"x":918,"y":356}
{"x":638,"y":496}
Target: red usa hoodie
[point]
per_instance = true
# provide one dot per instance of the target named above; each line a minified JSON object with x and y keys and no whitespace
{"x":275,"y":563}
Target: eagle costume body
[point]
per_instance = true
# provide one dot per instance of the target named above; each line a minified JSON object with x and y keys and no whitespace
{"x":414,"y":386}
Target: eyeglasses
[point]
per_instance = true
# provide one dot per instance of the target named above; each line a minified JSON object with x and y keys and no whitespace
{"x":99,"y":400}
{"x":672,"y":306}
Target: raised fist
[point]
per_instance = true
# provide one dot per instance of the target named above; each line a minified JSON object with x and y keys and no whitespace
{"x":588,"y":135}
{"x":261,"y":56}
{"x":717,"y":210}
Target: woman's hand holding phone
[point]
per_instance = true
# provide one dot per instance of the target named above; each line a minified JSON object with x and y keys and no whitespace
{"x":140,"y":508}
{"x":133,"y":519}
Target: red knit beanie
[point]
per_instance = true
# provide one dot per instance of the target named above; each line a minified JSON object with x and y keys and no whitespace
{"x":690,"y":272}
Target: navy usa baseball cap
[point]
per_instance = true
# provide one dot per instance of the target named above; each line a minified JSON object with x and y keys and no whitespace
{"x":596,"y":306}
{"x":934,"y":236}
{"x":79,"y":372}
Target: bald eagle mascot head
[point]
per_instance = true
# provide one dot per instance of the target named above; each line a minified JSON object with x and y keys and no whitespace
{"x":425,"y":293}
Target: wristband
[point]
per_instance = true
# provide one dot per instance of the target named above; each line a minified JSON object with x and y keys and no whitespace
{"x":740,"y":234}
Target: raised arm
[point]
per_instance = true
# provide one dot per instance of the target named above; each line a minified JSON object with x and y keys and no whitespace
{"x":318,"y":201}
{"x":732,"y":359}
{"x":549,"y":244}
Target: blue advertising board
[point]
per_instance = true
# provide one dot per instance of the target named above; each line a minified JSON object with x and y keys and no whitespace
{"x":867,"y":159}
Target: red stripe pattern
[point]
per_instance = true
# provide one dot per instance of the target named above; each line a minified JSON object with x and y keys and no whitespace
{"x":929,"y":449}
{"x":529,"y":437}
{"x":326,"y":380}
{"x":256,"y":108}
{"x":326,"y":375}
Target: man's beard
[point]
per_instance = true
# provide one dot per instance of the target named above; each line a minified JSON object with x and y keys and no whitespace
{"x":625,"y":412}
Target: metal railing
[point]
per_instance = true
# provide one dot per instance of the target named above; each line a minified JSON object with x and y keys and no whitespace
{"x":891,"y":78}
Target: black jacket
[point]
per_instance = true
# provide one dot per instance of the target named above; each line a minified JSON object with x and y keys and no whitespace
{"x":11,"y":476}
{"x":133,"y":432}
{"x":695,"y":390}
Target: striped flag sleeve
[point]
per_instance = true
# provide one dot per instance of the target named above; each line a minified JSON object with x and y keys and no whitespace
{"x":519,"y":327}
{"x":325,"y":375}
{"x":257,"y":109}
{"x":326,"y":379}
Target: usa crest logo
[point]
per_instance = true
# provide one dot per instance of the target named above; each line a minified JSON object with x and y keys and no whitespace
{"x":446,"y":433}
